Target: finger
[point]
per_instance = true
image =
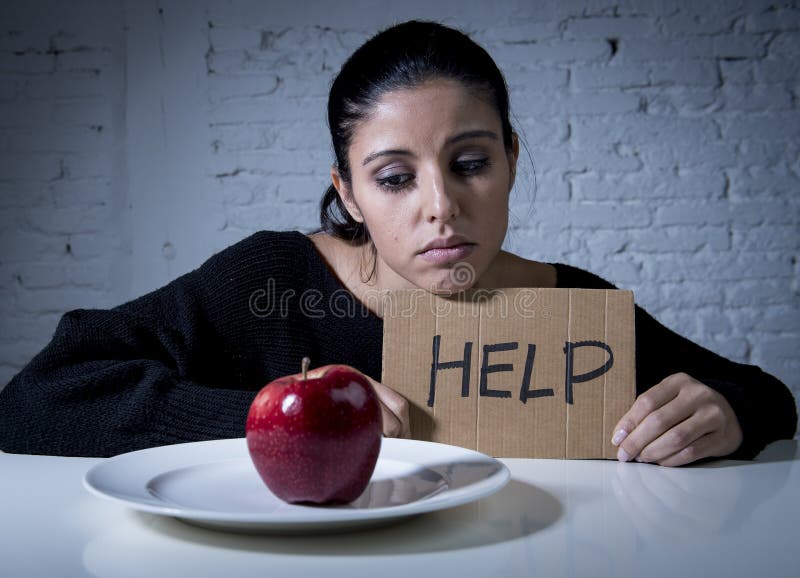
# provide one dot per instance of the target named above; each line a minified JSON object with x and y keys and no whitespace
{"x":652,"y":399}
{"x":405,"y":424}
{"x":653,"y":426}
{"x":676,"y":438}
{"x":391,"y":425}
{"x":397,"y":406}
{"x":702,"y":447}
{"x":707,"y":418}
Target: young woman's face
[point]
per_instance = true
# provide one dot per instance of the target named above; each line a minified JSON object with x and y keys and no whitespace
{"x":429,"y":163}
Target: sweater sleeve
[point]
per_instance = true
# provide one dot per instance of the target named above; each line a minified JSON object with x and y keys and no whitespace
{"x":763,"y":405}
{"x":153,"y":371}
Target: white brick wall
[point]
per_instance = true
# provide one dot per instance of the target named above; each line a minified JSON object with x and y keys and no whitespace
{"x":137,"y":138}
{"x":62,"y":184}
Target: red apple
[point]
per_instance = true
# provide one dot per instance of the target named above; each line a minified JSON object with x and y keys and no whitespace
{"x":315,"y":436}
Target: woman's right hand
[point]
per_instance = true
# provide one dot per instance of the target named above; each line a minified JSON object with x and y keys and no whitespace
{"x":394,"y":410}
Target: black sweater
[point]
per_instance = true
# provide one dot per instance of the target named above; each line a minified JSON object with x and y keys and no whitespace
{"x":183,"y":363}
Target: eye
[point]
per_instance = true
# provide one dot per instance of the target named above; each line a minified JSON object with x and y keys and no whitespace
{"x":470,"y":166}
{"x":395,"y":182}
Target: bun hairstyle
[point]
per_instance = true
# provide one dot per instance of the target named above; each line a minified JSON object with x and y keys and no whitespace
{"x":400,"y":57}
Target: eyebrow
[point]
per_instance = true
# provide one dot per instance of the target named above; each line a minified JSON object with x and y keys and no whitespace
{"x":452,"y":140}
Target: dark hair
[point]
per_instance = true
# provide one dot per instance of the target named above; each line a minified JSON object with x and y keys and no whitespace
{"x":400,"y":57}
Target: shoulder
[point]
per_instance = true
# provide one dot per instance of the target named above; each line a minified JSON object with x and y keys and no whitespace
{"x":262,"y":251}
{"x":261,"y":261}
{"x":263,"y":245}
{"x":569,"y":277}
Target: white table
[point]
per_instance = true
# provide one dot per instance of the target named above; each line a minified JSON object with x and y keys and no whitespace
{"x":554,"y":518}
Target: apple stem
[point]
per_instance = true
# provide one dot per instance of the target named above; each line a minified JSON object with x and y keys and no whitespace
{"x":305,"y":363}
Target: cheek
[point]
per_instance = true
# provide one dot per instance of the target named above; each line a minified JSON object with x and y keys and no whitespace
{"x":387,"y":218}
{"x":391,"y":231}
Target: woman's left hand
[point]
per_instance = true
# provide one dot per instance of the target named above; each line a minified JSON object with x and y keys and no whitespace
{"x":677,"y":421}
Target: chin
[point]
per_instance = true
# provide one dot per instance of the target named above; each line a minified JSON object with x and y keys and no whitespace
{"x":447,"y":292}
{"x":452,"y":283}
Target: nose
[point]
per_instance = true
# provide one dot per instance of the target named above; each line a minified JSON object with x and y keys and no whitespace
{"x":439,"y":202}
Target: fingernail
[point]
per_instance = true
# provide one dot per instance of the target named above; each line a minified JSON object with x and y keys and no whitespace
{"x":619,"y":437}
{"x":623,"y":456}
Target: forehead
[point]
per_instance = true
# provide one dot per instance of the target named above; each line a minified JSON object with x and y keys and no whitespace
{"x":425,"y":115}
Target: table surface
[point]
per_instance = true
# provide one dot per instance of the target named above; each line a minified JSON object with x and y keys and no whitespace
{"x":554,"y":518}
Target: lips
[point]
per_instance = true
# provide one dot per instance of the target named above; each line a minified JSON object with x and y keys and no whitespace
{"x":446,"y":242}
{"x":445,"y":251}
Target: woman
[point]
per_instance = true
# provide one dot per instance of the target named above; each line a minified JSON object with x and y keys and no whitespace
{"x":425,"y":163}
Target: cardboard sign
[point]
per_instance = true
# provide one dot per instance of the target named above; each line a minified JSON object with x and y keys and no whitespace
{"x":522,"y":372}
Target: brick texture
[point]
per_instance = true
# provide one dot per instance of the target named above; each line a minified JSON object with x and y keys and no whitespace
{"x":137,"y":138}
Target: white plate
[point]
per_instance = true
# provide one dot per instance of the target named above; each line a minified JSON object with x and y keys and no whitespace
{"x":214,"y":483}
